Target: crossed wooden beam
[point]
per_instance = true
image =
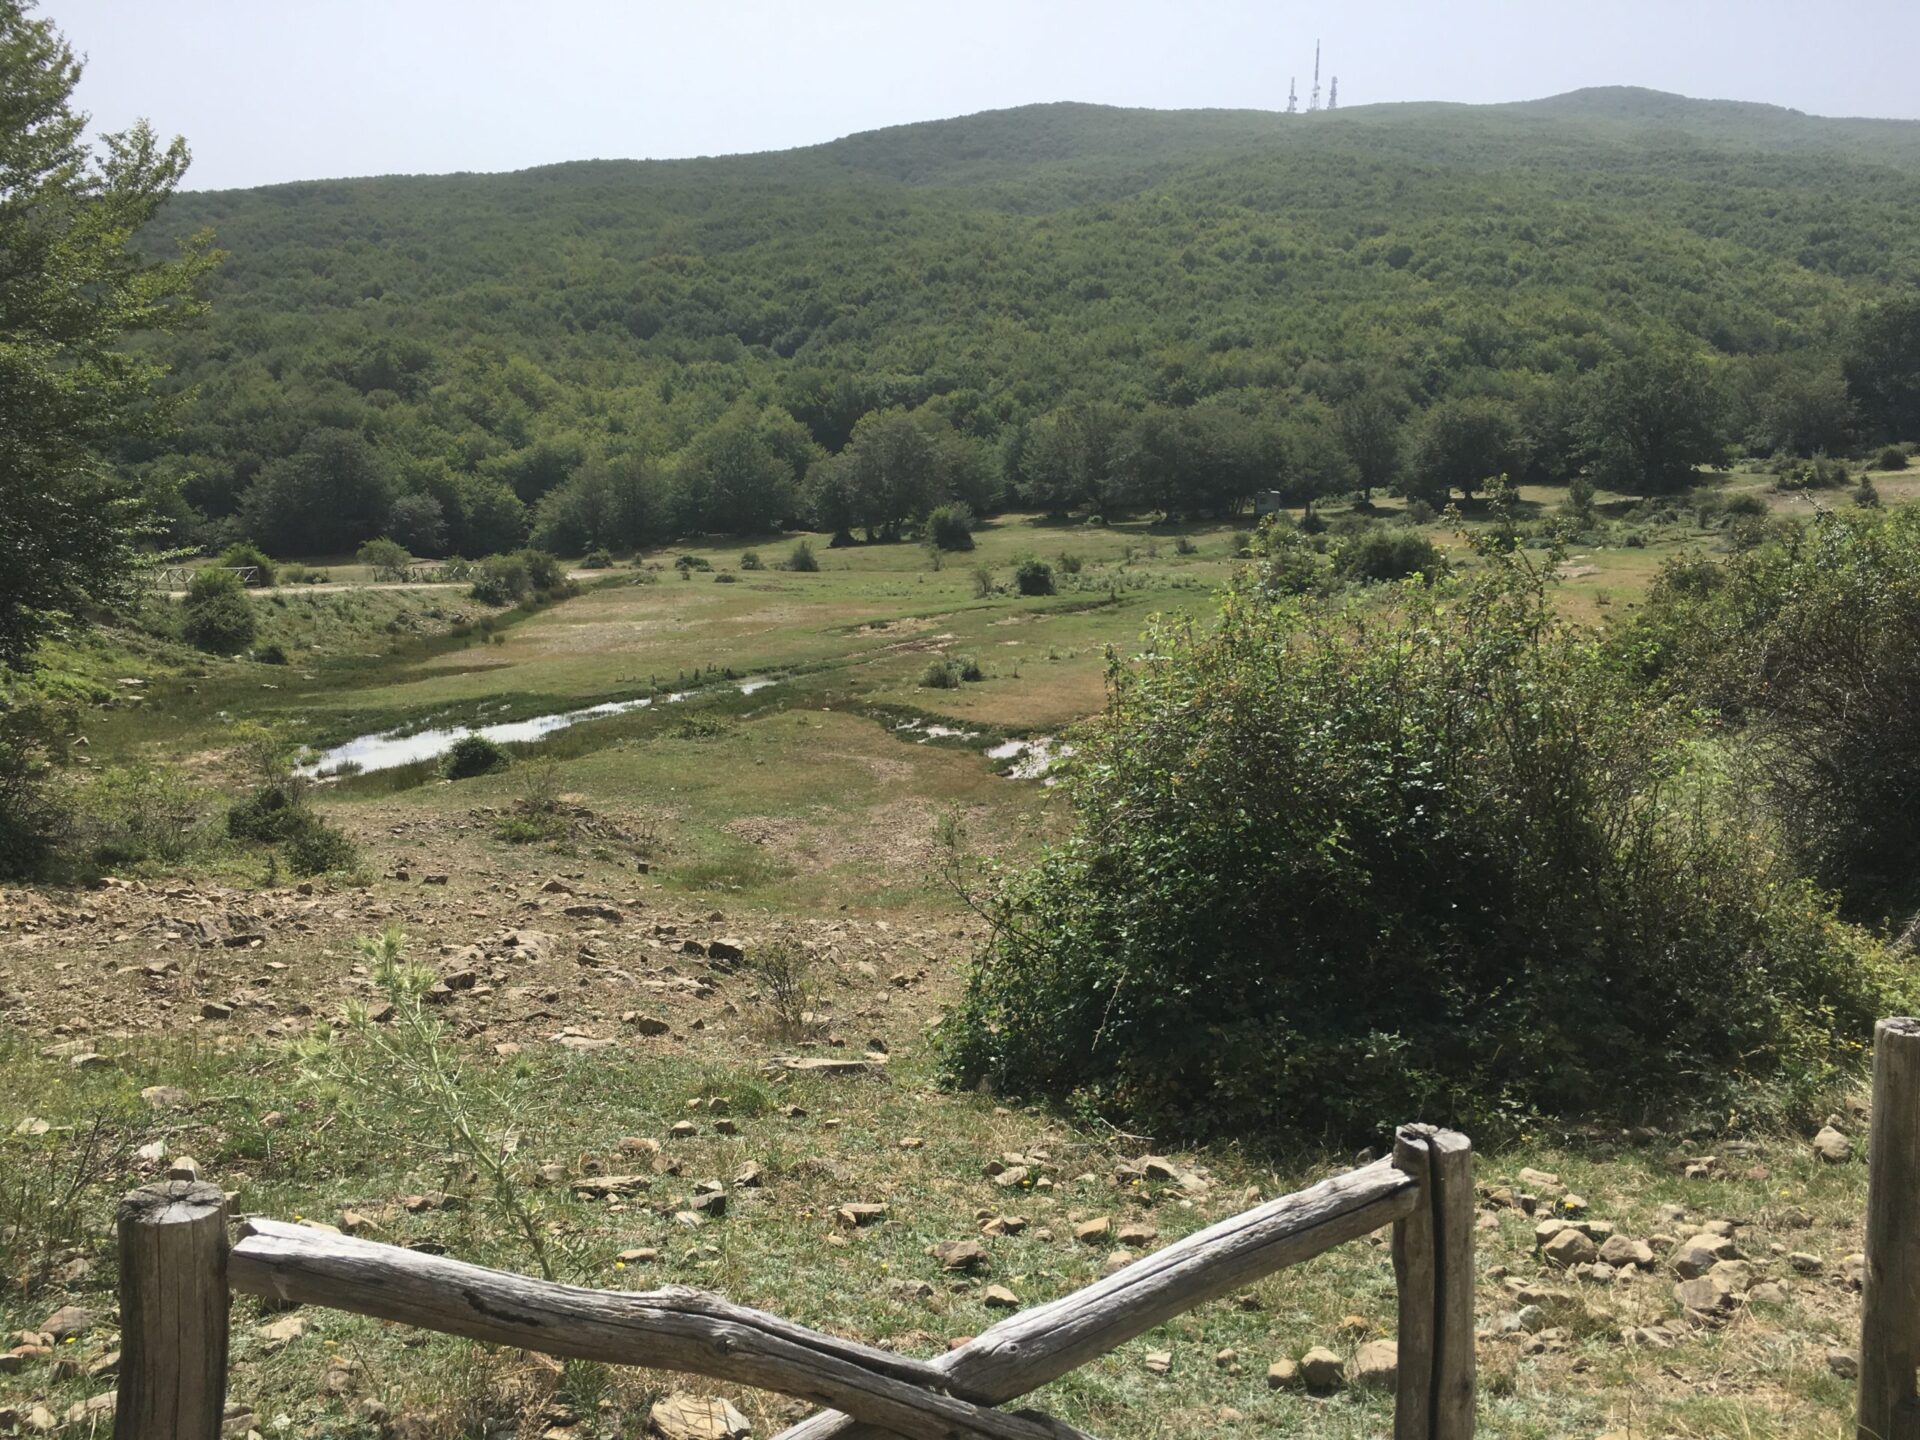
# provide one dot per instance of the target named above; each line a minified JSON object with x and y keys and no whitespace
{"x":177,"y":1272}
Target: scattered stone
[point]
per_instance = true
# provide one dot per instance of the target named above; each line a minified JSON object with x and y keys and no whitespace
{"x":911,"y":1290}
{"x":183,"y":1167}
{"x":1376,"y":1365}
{"x":961,"y":1255}
{"x":1570,"y":1247}
{"x":1159,"y":1361}
{"x":1322,"y":1369}
{"x":1831,"y":1146}
{"x":1705,"y":1295}
{"x":214,"y":1010}
{"x":1283,"y":1375}
{"x":750,"y":1176}
{"x":595,"y":912}
{"x":282,"y":1333}
{"x":855,"y":1217}
{"x":998,"y":1297}
{"x":604,"y":1187}
{"x":1137,"y":1233}
{"x":1621,"y":1252}
{"x":1844,"y":1363}
{"x":1702,"y":1252}
{"x":69,"y":1321}
{"x":1093,"y":1232}
{"x":645,"y":1024}
{"x":1806,"y":1264}
{"x":1768,"y":1292}
{"x":1116,"y":1262}
{"x":683,"y":1130}
{"x":698,"y":1417}
{"x":640,"y":1255}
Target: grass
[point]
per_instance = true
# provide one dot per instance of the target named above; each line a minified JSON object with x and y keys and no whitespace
{"x":802,"y":815}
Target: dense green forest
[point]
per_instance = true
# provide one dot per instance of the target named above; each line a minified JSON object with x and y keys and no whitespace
{"x":1070,"y":307}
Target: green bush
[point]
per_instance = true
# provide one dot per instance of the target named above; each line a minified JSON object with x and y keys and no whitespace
{"x":750,"y":560}
{"x":802,"y":558}
{"x":273,"y":653}
{"x":547,"y":575}
{"x":1033,"y":577}
{"x":692,"y":562}
{"x":473,"y":755}
{"x":387,"y":559}
{"x":35,"y":740}
{"x":318,"y":848}
{"x":940,"y":674}
{"x":725,"y":577}
{"x":1389,"y":554}
{"x":138,"y":815}
{"x":599,"y":559}
{"x":950,"y":527}
{"x":982,"y":582}
{"x":1335,"y":868}
{"x":968,"y":668}
{"x":1069,"y":563}
{"x":270,"y":814}
{"x":502,"y":580}
{"x":1891,"y":458}
{"x":239,"y":557}
{"x":1808,"y":644}
{"x":217,"y":616}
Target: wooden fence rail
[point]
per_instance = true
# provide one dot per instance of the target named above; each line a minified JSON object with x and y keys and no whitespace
{"x":178,"y":1272}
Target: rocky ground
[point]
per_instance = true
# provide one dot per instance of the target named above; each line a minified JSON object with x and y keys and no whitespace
{"x":1628,"y":1284}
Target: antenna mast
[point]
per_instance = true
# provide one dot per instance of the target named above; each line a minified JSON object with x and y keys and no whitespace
{"x":1333,"y":94}
{"x":1314,"y":104}
{"x":1293,"y":96}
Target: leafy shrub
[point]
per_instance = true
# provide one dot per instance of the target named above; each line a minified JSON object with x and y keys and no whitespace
{"x":538,"y":813}
{"x":1182,"y":545}
{"x":802,"y":558}
{"x":273,"y":653}
{"x":502,"y":580}
{"x":1809,"y":644}
{"x":270,"y":814}
{"x":1395,"y":553}
{"x":599,"y":559}
{"x":1417,"y":510}
{"x":387,"y":559}
{"x":784,"y":971}
{"x":1033,"y":577}
{"x":940,"y":674}
{"x":1334,"y":867}
{"x":546,"y":575}
{"x":1866,"y":494}
{"x":317,"y":848}
{"x":138,"y":815}
{"x":725,"y":577}
{"x":1744,"y":504}
{"x":294,"y":574}
{"x":239,"y":557}
{"x":692,"y":562}
{"x":1891,"y":458}
{"x":217,"y":616}
{"x":750,"y":560}
{"x":982,"y":582}
{"x":950,"y":527}
{"x":1069,"y":563}
{"x":968,"y":668}
{"x":1285,"y":561}
{"x":1819,"y":473}
{"x":473,"y":755}
{"x":35,"y":740}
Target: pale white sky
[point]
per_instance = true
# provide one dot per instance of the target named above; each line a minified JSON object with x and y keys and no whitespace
{"x":270,"y":90}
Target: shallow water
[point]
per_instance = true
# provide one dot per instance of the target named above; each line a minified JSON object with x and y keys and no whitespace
{"x":387,"y":749}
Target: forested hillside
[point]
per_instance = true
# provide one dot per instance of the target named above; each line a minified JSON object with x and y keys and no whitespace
{"x":1070,"y":306}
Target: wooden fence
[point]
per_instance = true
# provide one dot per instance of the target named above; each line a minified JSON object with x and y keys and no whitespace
{"x":178,"y":1271}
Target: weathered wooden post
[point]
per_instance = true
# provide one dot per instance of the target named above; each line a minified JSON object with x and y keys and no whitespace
{"x":1890,"y":1304}
{"x":173,"y":1312}
{"x":1433,"y":1265}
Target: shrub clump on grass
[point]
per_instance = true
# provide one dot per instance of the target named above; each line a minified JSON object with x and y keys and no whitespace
{"x":217,"y":616}
{"x":1390,"y":554}
{"x":243,"y":557}
{"x":1336,"y":868}
{"x":1033,"y":577}
{"x":802,"y":558}
{"x":598,"y":559}
{"x":473,"y":755}
{"x":950,"y":527}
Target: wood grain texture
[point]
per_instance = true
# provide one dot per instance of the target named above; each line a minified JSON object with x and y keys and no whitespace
{"x":1416,"y":1280}
{"x":1450,"y":1182}
{"x":670,"y":1329}
{"x":1890,"y":1302}
{"x":173,"y":1312}
{"x":1038,"y":1345}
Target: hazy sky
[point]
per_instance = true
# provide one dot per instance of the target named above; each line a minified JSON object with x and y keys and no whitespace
{"x":269,"y":90}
